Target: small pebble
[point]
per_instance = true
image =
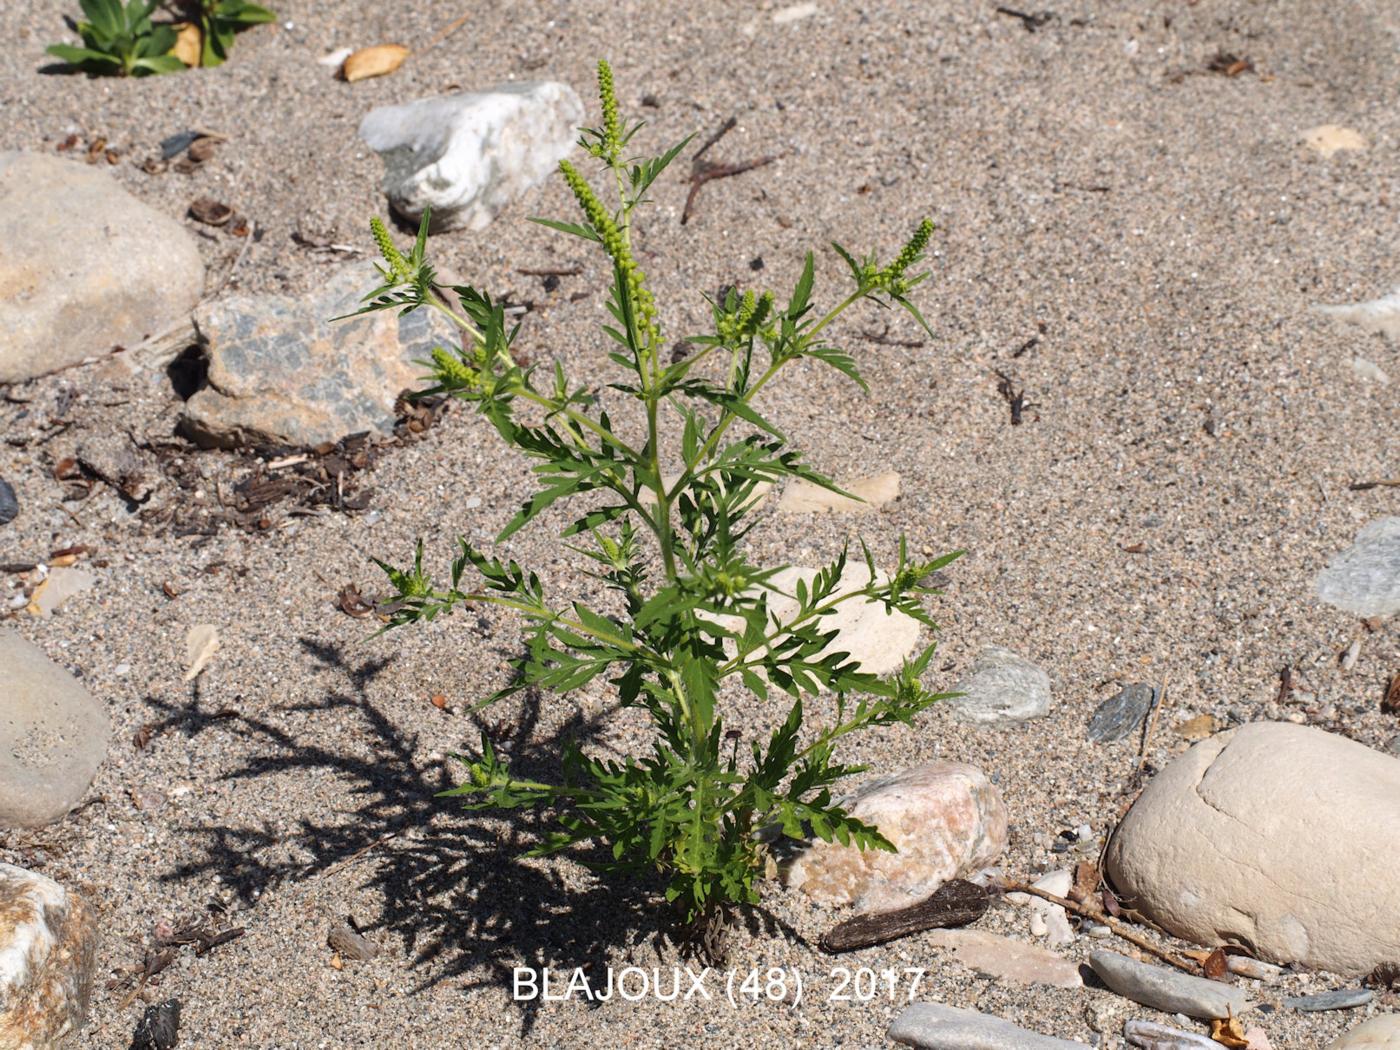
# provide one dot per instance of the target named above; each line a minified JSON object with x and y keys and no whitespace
{"x":350,"y":944}
{"x":1340,"y":999}
{"x":9,"y":504}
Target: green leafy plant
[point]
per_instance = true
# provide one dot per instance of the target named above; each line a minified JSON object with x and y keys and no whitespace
{"x":218,"y":21}
{"x":120,"y":39}
{"x":688,"y":614}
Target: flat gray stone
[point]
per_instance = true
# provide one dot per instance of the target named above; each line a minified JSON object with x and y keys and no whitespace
{"x":84,"y":266}
{"x":280,"y":372}
{"x":1167,"y":990}
{"x":1120,"y":716}
{"x":468,"y":155}
{"x":937,"y":1026}
{"x":1003,"y":687}
{"x":1364,"y":579}
{"x":53,"y":736}
{"x":1149,"y":1035}
{"x":1338,"y":999}
{"x":9,"y":503}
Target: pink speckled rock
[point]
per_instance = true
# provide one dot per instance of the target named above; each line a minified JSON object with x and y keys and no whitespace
{"x":48,"y":944}
{"x":947,"y":820}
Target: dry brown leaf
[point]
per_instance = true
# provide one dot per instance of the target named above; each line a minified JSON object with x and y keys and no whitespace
{"x":1086,"y":881}
{"x":211,"y":212}
{"x":189,"y":44}
{"x":352,"y":602}
{"x":1215,"y":965}
{"x":1197,"y":728}
{"x":201,"y":643}
{"x":377,"y":61}
{"x":1391,"y":703}
{"x":1229,"y":1032}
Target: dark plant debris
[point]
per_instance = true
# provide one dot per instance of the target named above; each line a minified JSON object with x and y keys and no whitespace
{"x":702,"y":171}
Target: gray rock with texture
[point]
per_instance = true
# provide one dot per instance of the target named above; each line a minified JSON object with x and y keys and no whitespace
{"x":84,"y":266}
{"x":1314,"y":811}
{"x":281,"y":372}
{"x":48,"y":951}
{"x":1364,"y":579}
{"x":1337,"y":999}
{"x":1003,"y":687}
{"x":53,"y":736}
{"x":1167,"y":990}
{"x":937,"y":1026}
{"x":1120,"y":716}
{"x":469,"y":155}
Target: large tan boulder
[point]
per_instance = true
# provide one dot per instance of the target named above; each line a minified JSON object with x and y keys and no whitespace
{"x":48,"y":946}
{"x":84,"y":266}
{"x":1279,"y":837}
{"x":946,"y":819}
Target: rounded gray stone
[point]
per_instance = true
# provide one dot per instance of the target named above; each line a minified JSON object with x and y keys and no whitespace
{"x":1003,"y":687}
{"x":84,"y":266}
{"x":53,"y":736}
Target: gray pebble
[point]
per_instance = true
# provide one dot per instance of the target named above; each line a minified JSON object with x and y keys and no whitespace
{"x":1339,"y":999}
{"x":1120,"y":716}
{"x":1364,"y":579}
{"x":1167,"y":990}
{"x":9,"y":504}
{"x":936,"y":1026}
{"x":1003,"y":688}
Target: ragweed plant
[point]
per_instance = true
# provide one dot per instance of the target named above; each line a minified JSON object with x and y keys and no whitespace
{"x":664,"y":528}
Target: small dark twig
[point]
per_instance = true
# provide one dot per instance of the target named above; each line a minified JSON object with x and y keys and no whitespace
{"x":1031,"y":22}
{"x":550,"y":271}
{"x":702,"y":171}
{"x":1016,"y":399}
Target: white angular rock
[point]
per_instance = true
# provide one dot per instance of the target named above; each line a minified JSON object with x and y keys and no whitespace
{"x":946,"y":819}
{"x":1003,"y":687}
{"x":1364,"y":579}
{"x":1275,"y":836}
{"x":1379,"y":1033}
{"x":469,"y":155}
{"x":53,"y":736}
{"x":876,"y":639}
{"x":802,"y":497}
{"x":1149,"y":1035}
{"x":48,"y":945}
{"x":84,"y":266}
{"x":937,"y":1026}
{"x":1328,"y":139}
{"x":1375,"y":315}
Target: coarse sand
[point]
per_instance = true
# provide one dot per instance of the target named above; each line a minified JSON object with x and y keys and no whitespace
{"x":1136,"y":240}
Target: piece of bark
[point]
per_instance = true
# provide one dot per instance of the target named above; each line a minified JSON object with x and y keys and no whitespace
{"x":956,"y":903}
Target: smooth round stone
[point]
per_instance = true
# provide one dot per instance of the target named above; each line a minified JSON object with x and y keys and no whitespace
{"x":1379,"y":1033}
{"x":1312,"y":809}
{"x":53,"y":736}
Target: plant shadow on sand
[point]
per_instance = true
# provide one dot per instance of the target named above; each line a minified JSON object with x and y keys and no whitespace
{"x":453,"y":886}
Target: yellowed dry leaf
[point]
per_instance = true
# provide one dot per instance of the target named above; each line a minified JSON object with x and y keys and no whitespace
{"x":376,"y":61}
{"x":201,"y":643}
{"x":1197,"y":728}
{"x":1229,"y":1032}
{"x":189,"y":44}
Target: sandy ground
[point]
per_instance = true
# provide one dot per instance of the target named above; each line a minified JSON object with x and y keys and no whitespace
{"x":1181,"y":475}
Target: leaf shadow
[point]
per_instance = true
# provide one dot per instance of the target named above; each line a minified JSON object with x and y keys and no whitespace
{"x":454,"y":889}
